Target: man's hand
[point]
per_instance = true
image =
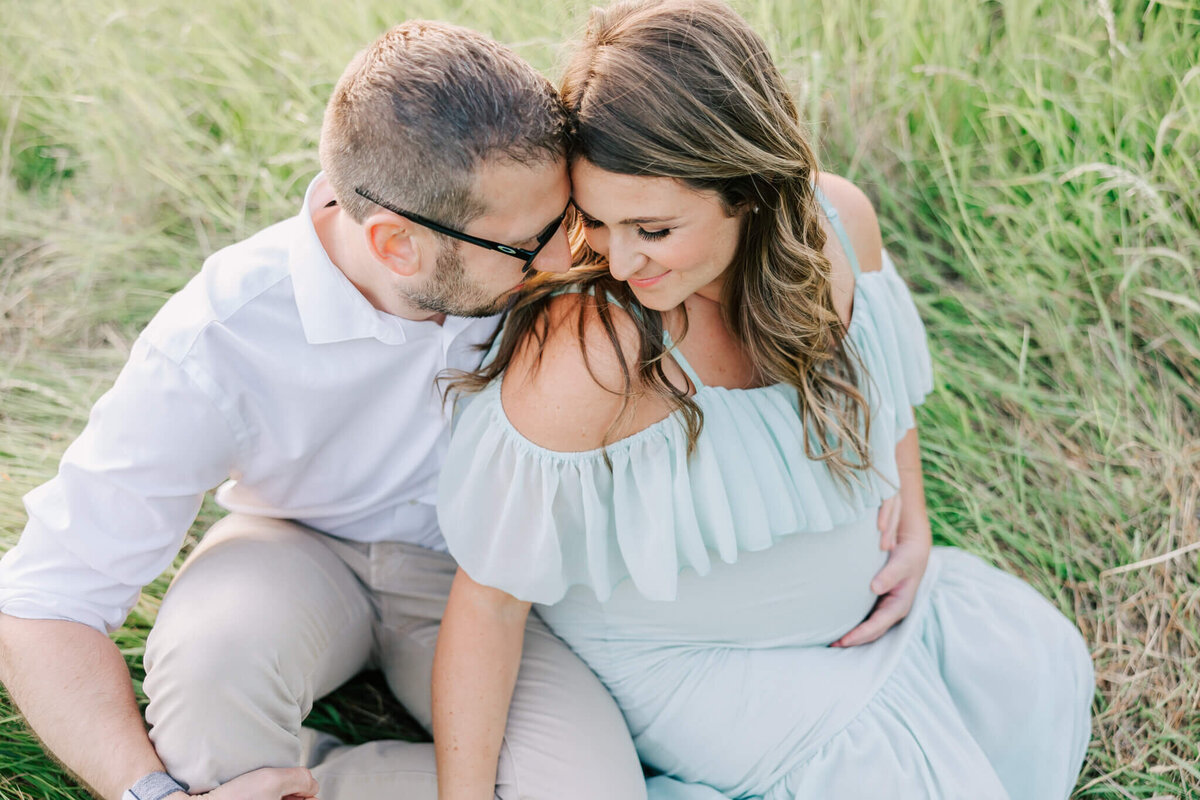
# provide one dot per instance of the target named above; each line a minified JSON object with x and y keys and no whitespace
{"x":268,"y":783}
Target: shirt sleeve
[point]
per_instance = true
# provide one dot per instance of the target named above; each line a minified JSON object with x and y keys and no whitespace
{"x":127,"y":490}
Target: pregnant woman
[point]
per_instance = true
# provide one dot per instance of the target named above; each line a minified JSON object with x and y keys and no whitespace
{"x":679,"y":451}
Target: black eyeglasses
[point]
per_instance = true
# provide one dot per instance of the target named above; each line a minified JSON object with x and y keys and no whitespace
{"x":527,"y":256}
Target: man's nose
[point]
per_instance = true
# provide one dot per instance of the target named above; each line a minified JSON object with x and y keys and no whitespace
{"x":556,"y":255}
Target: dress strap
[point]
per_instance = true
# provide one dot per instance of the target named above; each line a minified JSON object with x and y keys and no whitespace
{"x":831,"y":214}
{"x":669,"y":343}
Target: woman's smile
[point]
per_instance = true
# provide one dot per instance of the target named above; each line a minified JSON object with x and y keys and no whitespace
{"x":646,"y":283}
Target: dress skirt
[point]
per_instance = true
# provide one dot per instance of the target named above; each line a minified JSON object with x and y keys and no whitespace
{"x":982,"y":692}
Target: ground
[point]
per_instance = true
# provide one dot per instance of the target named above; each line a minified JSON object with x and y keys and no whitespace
{"x":1035,"y":169}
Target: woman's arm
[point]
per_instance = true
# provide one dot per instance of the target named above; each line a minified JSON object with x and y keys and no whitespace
{"x":896,"y":584}
{"x":907,"y":538}
{"x":474,"y":671}
{"x":559,"y":401}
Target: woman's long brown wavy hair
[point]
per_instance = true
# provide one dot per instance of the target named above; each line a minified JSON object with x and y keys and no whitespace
{"x":685,"y":89}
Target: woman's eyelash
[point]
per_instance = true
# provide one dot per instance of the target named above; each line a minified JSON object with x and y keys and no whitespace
{"x":653,"y":235}
{"x":649,"y":236}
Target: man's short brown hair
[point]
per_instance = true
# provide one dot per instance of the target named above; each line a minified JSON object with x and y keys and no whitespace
{"x":416,"y":113}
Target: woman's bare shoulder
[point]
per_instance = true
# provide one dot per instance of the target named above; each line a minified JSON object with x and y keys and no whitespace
{"x":858,"y":216}
{"x":564,"y":392}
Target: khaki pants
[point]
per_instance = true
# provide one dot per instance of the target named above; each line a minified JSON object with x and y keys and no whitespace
{"x":266,"y":616}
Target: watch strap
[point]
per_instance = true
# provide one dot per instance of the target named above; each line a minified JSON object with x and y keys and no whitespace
{"x":154,"y":786}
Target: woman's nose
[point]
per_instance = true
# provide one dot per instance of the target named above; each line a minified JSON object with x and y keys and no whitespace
{"x":624,"y":259}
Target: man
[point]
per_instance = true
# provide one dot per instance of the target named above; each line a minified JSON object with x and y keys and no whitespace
{"x":299,"y":368}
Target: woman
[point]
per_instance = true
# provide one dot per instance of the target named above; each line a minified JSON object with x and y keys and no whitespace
{"x":680,"y":448}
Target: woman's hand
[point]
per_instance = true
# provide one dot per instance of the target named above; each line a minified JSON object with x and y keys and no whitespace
{"x":904,"y":530}
{"x":896,"y":584}
{"x":268,"y":783}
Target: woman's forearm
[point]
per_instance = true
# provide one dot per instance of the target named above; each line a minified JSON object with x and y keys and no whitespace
{"x":474,"y":671}
{"x":914,"y":519}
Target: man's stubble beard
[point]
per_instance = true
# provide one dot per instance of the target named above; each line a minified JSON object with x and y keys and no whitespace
{"x":449,"y":291}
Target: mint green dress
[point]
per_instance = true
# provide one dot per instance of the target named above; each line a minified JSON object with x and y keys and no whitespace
{"x":703,"y":591}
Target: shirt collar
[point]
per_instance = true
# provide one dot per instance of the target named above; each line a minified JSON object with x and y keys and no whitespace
{"x":331,"y":308}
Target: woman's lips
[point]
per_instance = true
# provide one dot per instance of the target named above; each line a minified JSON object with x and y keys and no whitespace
{"x":643,"y":283}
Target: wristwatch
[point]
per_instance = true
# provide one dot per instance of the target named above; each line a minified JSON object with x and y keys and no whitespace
{"x":154,"y":786}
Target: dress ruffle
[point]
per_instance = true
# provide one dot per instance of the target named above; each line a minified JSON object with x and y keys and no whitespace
{"x":535,"y":522}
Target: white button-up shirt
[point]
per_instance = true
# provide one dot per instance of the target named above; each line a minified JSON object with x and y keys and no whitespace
{"x":268,"y":371}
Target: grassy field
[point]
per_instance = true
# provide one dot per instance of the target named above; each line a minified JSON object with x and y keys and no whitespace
{"x":1036,"y":166}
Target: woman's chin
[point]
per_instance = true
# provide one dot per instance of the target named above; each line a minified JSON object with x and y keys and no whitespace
{"x":656,"y":305}
{"x":656,"y":301}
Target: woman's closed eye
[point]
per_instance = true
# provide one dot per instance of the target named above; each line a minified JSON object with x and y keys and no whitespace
{"x":588,"y":222}
{"x":653,"y":236}
{"x":650,"y":236}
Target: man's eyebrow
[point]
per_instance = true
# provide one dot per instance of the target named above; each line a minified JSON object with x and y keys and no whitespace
{"x":545,"y":229}
{"x":554,"y":223}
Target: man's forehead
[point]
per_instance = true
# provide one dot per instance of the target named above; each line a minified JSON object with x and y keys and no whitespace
{"x":496,"y":176}
{"x":523,"y":198}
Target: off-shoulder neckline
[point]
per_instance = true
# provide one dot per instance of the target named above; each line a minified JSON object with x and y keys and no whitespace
{"x":653,"y":428}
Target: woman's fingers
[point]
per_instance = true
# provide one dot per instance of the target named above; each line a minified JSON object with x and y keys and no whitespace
{"x":890,"y":609}
{"x":268,"y":783}
{"x":889,"y":522}
{"x":899,"y":566}
{"x":896,"y":584}
{"x":297,"y":783}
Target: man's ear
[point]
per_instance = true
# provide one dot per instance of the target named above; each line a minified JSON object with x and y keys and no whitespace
{"x":391,"y":240}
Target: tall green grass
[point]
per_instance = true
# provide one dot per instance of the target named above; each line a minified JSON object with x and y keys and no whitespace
{"x":1036,"y":166}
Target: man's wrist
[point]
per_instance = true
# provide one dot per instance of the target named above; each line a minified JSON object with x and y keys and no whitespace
{"x":155,"y":786}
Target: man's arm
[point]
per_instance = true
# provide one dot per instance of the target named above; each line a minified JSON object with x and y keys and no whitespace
{"x":72,"y":684}
{"x":74,"y":689}
{"x":110,"y":521}
{"x":474,"y":671}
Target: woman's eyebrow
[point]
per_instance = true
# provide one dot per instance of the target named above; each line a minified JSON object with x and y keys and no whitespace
{"x":644,"y":220}
{"x":629,"y":221}
{"x":582,"y":213}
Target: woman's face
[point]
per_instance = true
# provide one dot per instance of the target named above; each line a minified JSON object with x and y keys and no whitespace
{"x":665,"y":239}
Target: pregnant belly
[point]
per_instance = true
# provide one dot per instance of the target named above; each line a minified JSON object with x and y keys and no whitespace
{"x":806,"y":589}
{"x":731,"y":684}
